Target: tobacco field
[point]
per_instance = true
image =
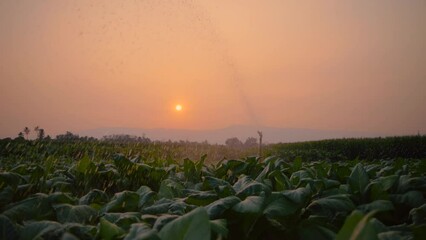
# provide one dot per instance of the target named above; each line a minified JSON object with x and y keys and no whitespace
{"x":124,"y":197}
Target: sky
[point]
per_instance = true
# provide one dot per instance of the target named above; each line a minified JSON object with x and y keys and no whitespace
{"x":74,"y":65}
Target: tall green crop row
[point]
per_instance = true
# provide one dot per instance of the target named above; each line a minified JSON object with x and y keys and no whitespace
{"x":132,"y":198}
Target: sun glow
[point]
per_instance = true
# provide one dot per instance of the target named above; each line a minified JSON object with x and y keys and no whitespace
{"x":178,"y":107}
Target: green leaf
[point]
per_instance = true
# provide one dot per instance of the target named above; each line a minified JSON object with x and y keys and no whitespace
{"x":68,"y":236}
{"x":36,"y":207}
{"x":418,"y":215}
{"x":35,"y":230}
{"x":94,"y":196}
{"x":210,"y":183}
{"x":7,"y":229}
{"x":281,"y":180}
{"x":81,"y":231}
{"x":330,"y":206}
{"x":358,"y":180}
{"x":85,"y":165}
{"x":6,"y":195}
{"x":66,"y":213}
{"x":219,"y":228}
{"x":251,"y":205}
{"x":311,"y":230}
{"x":378,"y":205}
{"x":245,"y":186}
{"x":108,"y":230}
{"x":123,"y":220}
{"x":247,"y":213}
{"x":297,"y":164}
{"x":146,"y":196}
{"x":412,"y":199}
{"x":279,"y":206}
{"x":161,"y":221}
{"x":300,"y":196}
{"x":125,"y":201}
{"x":201,"y":198}
{"x":193,"y":225}
{"x":391,"y":235}
{"x":357,"y":227}
{"x":10,"y":179}
{"x":217,"y":208}
{"x":141,"y":231}
{"x":170,"y":189}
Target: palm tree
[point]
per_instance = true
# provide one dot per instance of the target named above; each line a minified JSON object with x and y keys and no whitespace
{"x":27,"y":131}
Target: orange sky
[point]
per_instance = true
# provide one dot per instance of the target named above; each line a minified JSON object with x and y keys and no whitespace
{"x":80,"y":64}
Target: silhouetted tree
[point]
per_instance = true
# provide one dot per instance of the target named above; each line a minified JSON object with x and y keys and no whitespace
{"x":234,"y":142}
{"x":27,"y":132}
{"x":67,"y":136}
{"x":250,"y":142}
{"x":126,"y":138}
{"x":40,"y":134}
{"x":20,"y":136}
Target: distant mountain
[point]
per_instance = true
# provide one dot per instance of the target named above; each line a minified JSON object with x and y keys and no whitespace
{"x":270,"y":134}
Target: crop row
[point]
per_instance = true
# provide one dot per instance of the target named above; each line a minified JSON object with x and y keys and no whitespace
{"x":126,"y":198}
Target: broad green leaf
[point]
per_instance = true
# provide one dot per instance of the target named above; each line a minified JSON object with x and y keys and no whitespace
{"x":297,"y":164}
{"x":219,"y":228}
{"x":378,"y":205}
{"x":125,"y":201}
{"x":170,"y":189}
{"x":357,"y":227}
{"x":66,"y":213}
{"x":141,"y":231}
{"x":59,"y":198}
{"x":10,"y":179}
{"x":330,"y":206}
{"x":358,"y":180}
{"x":7,"y":229}
{"x":278,"y":206}
{"x":245,"y":186}
{"x":159,"y":207}
{"x":68,"y":236}
{"x":418,"y":215}
{"x":164,"y":219}
{"x":210,"y":183}
{"x":123,"y":220}
{"x":419,"y":231}
{"x":391,"y":235}
{"x":94,"y":196}
{"x":299,"y":196}
{"x":201,"y":198}
{"x":108,"y":230}
{"x":35,"y":230}
{"x":412,"y":199}
{"x":247,"y":213}
{"x":308,"y":230}
{"x":85,"y":166}
{"x":36,"y":207}
{"x":146,"y":196}
{"x":81,"y":231}
{"x":251,"y":205}
{"x":217,"y":208}
{"x":296,"y":177}
{"x":6,"y":195}
{"x":281,"y":180}
{"x":194,"y":225}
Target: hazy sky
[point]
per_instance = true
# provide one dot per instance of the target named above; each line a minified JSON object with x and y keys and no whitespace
{"x":344,"y":65}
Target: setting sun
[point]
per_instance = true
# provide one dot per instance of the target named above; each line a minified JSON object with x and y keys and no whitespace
{"x":178,"y":107}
